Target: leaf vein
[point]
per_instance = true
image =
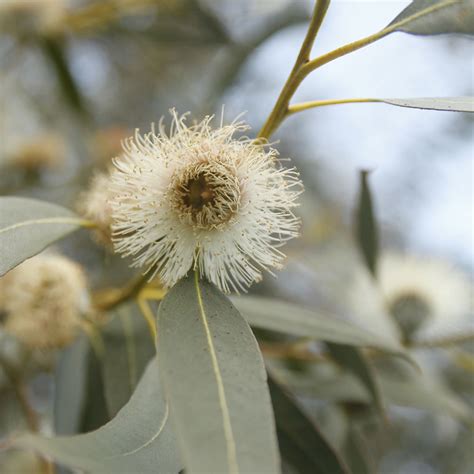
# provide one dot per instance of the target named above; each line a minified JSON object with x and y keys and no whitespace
{"x":229,"y":436}
{"x":49,"y":220}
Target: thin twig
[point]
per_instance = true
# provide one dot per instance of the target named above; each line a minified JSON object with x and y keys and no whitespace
{"x":280,"y":109}
{"x":292,"y":109}
{"x":112,"y":297}
{"x":443,"y":341}
{"x":303,"y":66}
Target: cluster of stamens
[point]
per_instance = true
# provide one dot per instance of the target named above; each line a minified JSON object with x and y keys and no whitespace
{"x":205,"y":197}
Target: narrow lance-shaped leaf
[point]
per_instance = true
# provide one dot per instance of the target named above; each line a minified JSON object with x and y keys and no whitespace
{"x":54,"y":52}
{"x":447,"y":104}
{"x":302,"y":445}
{"x":215,"y":380}
{"x":433,"y":17}
{"x":94,"y":413}
{"x":128,"y":348}
{"x":366,"y":225}
{"x":70,"y":381}
{"x":139,"y":439}
{"x":357,"y":453}
{"x":28,"y":226}
{"x":353,"y":360}
{"x":289,"y":318}
{"x":417,"y":391}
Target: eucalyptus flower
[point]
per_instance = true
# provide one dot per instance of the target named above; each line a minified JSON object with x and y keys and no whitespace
{"x":426,"y":296}
{"x":44,"y":152}
{"x":197,"y":197}
{"x":94,"y":205}
{"x":43,"y":300}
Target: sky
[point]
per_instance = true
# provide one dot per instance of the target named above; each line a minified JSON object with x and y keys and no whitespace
{"x":422,"y":172}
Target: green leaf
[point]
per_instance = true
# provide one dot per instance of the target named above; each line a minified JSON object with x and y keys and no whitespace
{"x":423,"y":393}
{"x":215,"y":380}
{"x":12,"y":417}
{"x":341,"y":386}
{"x":449,"y":104}
{"x":276,"y":315}
{"x":354,"y":360}
{"x":301,"y":443}
{"x":366,"y":226}
{"x":357,"y":454}
{"x":138,"y":439}
{"x":53,"y":50}
{"x":433,"y":17}
{"x":28,"y":226}
{"x":128,"y":349}
{"x":94,"y":412}
{"x":70,"y":381}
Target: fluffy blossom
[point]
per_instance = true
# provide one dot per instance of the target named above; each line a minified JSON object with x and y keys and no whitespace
{"x":42,"y":300}
{"x":45,"y":151}
{"x":200,"y":198}
{"x":426,"y":296}
{"x":94,"y":205}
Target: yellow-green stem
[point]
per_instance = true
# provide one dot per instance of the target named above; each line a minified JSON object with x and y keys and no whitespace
{"x":447,"y":341}
{"x":292,"y":109}
{"x":303,"y":66}
{"x":279,"y":110}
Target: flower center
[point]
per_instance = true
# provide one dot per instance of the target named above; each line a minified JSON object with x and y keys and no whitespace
{"x":206,"y":195}
{"x":198,"y":193}
{"x":411,"y":311}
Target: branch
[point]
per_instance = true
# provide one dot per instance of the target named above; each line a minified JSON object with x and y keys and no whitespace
{"x":295,"y":78}
{"x":293,"y":109}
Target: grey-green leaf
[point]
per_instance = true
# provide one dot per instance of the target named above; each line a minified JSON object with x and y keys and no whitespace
{"x":215,"y":380}
{"x":448,"y":104}
{"x":70,"y":380}
{"x":434,"y":17}
{"x":357,"y":453}
{"x":302,"y":445}
{"x":139,"y":439}
{"x":366,"y":229}
{"x":128,"y":349}
{"x":28,"y":226}
{"x":355,"y":361}
{"x":418,"y":391}
{"x":276,"y":315}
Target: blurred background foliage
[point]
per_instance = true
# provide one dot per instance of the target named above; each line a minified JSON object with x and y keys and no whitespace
{"x":78,"y":76}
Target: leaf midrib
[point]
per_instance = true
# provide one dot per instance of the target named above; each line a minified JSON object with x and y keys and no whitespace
{"x":48,"y":220}
{"x":228,"y":432}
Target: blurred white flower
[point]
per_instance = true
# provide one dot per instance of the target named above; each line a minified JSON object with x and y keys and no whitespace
{"x":43,"y":152}
{"x":94,"y":205}
{"x":198,"y":197}
{"x":42,"y":301}
{"x":427,"y":297}
{"x":44,"y":16}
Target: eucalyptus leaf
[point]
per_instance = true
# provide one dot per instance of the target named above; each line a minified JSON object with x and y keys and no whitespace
{"x":138,"y":439}
{"x":70,"y":381}
{"x":448,"y":104}
{"x":366,"y":226}
{"x":28,"y":226}
{"x":354,"y":360}
{"x":341,"y":386}
{"x":94,"y":412}
{"x":357,"y":454}
{"x":53,"y":50}
{"x":433,"y":17}
{"x":422,"y":393}
{"x":281,"y":316}
{"x":12,"y":417}
{"x":128,"y":349}
{"x":215,"y":381}
{"x":301,"y":443}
